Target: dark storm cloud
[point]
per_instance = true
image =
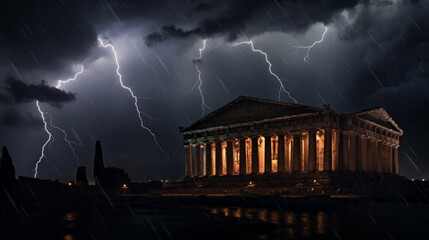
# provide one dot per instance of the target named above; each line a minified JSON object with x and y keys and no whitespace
{"x":398,"y":56}
{"x":46,"y":34}
{"x":12,"y":118}
{"x":250,"y":17}
{"x":22,"y":92}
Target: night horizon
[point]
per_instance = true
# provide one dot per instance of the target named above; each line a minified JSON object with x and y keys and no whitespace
{"x":351,"y":55}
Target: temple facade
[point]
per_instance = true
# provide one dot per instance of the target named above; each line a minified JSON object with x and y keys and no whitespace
{"x":257,"y":136}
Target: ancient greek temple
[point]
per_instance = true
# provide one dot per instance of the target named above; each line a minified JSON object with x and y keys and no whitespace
{"x":257,"y":136}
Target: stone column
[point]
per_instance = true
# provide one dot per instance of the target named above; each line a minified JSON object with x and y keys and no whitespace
{"x":312,"y":151}
{"x":327,"y":151}
{"x":229,"y":157}
{"x":218,"y":157}
{"x":352,"y":152}
{"x":243,"y":159}
{"x":255,"y":158}
{"x":389,"y":161}
{"x":281,"y":160}
{"x":360,"y":144}
{"x":370,"y":153}
{"x":288,"y":155}
{"x":375,"y":155}
{"x":188,"y":161}
{"x":296,"y":158}
{"x":395,"y":160}
{"x":344,"y":150}
{"x":268,"y":157}
{"x":381,"y":167}
{"x":199,"y":160}
{"x":209,"y":170}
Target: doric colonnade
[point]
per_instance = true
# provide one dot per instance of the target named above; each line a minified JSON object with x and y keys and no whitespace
{"x":317,"y":140}
{"x":306,"y":151}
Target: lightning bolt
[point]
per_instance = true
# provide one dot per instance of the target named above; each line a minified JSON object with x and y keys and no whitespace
{"x":45,"y":125}
{"x":139,"y":113}
{"x":199,"y":81}
{"x":51,"y":137}
{"x":70,"y":143}
{"x":60,"y":82}
{"x":311,"y":46}
{"x":282,"y":88}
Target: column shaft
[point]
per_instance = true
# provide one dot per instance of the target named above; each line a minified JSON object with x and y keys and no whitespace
{"x":218,"y":158}
{"x":296,"y":159}
{"x":352,"y":152}
{"x":288,"y":153}
{"x":281,"y":163}
{"x":209,"y":170}
{"x":389,"y":159}
{"x":312,"y":151}
{"x":199,"y":160}
{"x":229,"y":157}
{"x":188,"y":161}
{"x":255,"y":158}
{"x":268,"y":157}
{"x":243,"y":158}
{"x":395,"y":160}
{"x":327,"y":151}
{"x":344,"y":150}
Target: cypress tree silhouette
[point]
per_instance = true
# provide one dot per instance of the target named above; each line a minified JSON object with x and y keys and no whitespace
{"x":81,"y":178}
{"x":7,"y":170}
{"x":98,"y":161}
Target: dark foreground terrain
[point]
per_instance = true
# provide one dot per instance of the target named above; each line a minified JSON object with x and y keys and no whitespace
{"x":60,"y":212}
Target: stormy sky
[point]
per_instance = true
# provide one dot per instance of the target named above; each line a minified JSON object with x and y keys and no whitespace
{"x":375,"y":53}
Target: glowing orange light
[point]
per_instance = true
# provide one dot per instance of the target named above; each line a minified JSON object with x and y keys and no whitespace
{"x":69,"y":183}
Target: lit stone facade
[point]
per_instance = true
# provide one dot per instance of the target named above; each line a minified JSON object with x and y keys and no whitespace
{"x":251,"y":135}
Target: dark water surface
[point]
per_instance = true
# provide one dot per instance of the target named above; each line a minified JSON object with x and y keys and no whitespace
{"x":180,"y":221}
{"x":360,"y":221}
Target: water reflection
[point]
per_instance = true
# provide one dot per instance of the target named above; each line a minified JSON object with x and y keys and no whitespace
{"x":69,"y":224}
{"x":291,"y":224}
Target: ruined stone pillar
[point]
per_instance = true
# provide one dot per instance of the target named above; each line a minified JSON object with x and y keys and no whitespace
{"x":281,"y":163}
{"x":296,"y":158}
{"x":243,"y":158}
{"x":188,"y":161}
{"x":327,"y":151}
{"x":312,"y":151}
{"x":199,"y":160}
{"x":255,"y":159}
{"x":395,"y":160}
{"x":209,"y":169}
{"x":218,"y":157}
{"x":268,"y":157}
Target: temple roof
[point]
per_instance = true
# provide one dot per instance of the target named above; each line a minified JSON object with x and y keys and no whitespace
{"x":379,"y":116}
{"x":248,"y":109}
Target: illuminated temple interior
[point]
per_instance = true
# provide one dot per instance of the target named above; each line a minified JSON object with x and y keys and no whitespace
{"x":257,"y":136}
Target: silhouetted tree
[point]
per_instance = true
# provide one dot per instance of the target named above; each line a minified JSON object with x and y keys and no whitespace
{"x":98,"y":161}
{"x":7,"y":170}
{"x":81,"y":178}
{"x":113,"y":178}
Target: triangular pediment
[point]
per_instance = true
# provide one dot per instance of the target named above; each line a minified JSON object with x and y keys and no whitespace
{"x":247,"y":109}
{"x":381,"y":117}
